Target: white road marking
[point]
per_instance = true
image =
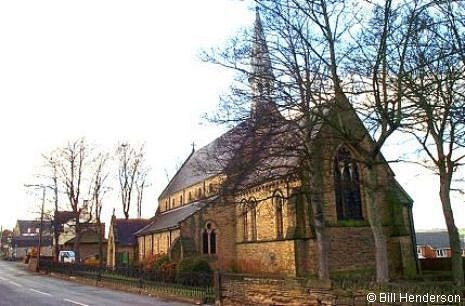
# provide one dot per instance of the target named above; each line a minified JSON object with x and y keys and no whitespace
{"x":14,"y":283}
{"x":40,"y":292}
{"x":74,"y":302}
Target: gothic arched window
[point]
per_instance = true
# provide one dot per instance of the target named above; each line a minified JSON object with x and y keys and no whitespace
{"x":278,"y":202}
{"x":245,"y":220}
{"x":347,"y":186}
{"x":253,"y":218}
{"x":209,"y":239}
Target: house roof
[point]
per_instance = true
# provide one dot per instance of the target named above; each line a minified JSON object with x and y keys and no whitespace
{"x":61,"y":217}
{"x":124,"y":230}
{"x":25,"y":224}
{"x":437,"y":240}
{"x":172,"y":218}
{"x":87,"y":237}
{"x":31,"y":241}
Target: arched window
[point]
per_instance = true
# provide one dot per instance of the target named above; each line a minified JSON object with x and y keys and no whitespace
{"x":278,"y":202}
{"x":189,"y":197}
{"x":253,"y":218}
{"x":180,"y":200}
{"x":245,"y":220}
{"x":209,"y":239}
{"x":347,"y":186}
{"x":199,"y":192}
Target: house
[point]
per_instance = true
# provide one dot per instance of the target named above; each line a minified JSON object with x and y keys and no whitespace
{"x":435,"y":244}
{"x":242,"y":204}
{"x":5,"y":241}
{"x":89,"y":241}
{"x":122,"y":243}
{"x":26,"y":236}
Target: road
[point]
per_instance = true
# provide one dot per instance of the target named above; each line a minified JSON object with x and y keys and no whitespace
{"x":19,"y":287}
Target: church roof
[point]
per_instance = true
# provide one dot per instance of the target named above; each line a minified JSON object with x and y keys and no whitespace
{"x":203,"y":163}
{"x":172,"y":218}
{"x":247,"y":155}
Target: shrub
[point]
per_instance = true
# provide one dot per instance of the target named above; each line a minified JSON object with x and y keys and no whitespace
{"x":167,"y":272}
{"x":194,"y":271}
{"x":159,"y":262}
{"x":148,"y":262}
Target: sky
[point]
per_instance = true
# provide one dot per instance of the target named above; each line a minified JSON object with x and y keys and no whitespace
{"x":114,"y":71}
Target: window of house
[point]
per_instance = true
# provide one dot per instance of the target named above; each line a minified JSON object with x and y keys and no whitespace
{"x":180,"y":200}
{"x":441,"y":253}
{"x":278,"y":202}
{"x":209,"y":239}
{"x":172,"y":203}
{"x":189,"y":196}
{"x":37,"y":230}
{"x":199,"y":192}
{"x":347,"y":186}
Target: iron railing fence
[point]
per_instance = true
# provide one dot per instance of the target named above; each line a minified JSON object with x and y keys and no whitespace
{"x":196,"y":285}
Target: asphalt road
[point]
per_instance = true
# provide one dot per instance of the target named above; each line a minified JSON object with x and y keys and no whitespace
{"x":19,"y":287}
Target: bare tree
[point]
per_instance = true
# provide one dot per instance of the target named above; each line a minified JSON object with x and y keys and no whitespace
{"x":435,"y":86}
{"x":72,"y":163}
{"x":51,"y":163}
{"x":322,"y":55}
{"x":98,"y":190}
{"x":132,"y":172}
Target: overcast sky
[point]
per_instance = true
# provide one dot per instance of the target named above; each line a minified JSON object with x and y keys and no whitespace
{"x":123,"y":70}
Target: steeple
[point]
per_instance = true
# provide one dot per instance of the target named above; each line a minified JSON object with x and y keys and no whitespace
{"x":261,"y":77}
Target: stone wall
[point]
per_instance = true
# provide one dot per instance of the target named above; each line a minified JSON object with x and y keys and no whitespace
{"x":234,"y":289}
{"x":351,"y":248}
{"x":272,"y":257}
{"x":221,"y":216}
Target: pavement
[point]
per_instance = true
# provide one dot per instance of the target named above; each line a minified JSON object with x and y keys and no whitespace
{"x":19,"y":287}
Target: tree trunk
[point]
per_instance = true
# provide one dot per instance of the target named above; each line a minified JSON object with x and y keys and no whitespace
{"x":77,"y":240}
{"x":313,"y":187}
{"x":375,"y":220}
{"x":100,"y":244}
{"x":454,"y":237}
{"x":56,"y":237}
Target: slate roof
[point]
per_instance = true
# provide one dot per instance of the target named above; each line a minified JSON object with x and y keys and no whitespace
{"x":32,"y":224}
{"x":258,"y":157}
{"x":87,"y":237}
{"x":437,"y":240}
{"x":124,"y":230}
{"x":61,"y":217}
{"x":172,"y":218}
{"x":202,"y":163}
{"x":31,"y":241}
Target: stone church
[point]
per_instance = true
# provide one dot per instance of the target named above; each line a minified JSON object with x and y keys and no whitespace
{"x":240,"y":201}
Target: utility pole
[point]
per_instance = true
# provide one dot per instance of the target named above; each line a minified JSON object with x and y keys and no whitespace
{"x":41,"y":226}
{"x":41,"y":221}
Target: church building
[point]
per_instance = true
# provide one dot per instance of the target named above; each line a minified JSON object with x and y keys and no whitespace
{"x":241,"y":202}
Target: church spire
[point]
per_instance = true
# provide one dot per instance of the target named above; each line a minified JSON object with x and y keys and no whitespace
{"x":261,"y":78}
